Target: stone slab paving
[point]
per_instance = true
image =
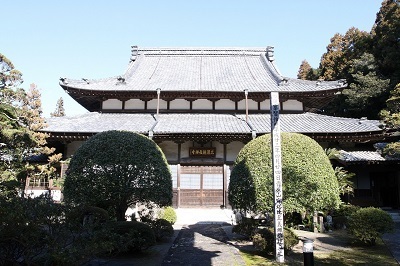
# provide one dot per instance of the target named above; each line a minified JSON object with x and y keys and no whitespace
{"x":188,"y":216}
{"x":392,"y":240}
{"x":202,"y":244}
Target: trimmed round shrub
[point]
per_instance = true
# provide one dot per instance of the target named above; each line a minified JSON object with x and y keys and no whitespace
{"x":169,"y":214}
{"x":132,"y":236}
{"x":264,"y":239}
{"x":309,"y":181}
{"x":116,"y":169}
{"x":367,"y":224}
{"x":162,"y":229}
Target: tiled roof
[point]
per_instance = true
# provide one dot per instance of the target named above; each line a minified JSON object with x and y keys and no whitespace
{"x":360,"y":156}
{"x":313,"y":123}
{"x":201,"y":123}
{"x":98,"y":122}
{"x":201,"y":69}
{"x":207,"y":123}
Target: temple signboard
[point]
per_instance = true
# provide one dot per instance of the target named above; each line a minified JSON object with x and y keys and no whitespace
{"x":202,"y":152}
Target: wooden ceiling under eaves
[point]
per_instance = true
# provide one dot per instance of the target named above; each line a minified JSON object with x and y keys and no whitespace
{"x":226,"y":138}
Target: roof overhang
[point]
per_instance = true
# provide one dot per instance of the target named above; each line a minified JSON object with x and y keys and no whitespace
{"x":92,"y":99}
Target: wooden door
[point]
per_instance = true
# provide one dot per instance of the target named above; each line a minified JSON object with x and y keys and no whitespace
{"x":201,"y":186}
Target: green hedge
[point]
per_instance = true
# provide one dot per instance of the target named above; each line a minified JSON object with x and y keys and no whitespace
{"x":368,"y":224}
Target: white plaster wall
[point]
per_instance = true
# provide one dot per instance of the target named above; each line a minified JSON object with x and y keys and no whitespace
{"x":202,"y":104}
{"x":112,"y":104}
{"x":179,"y":104}
{"x":232,"y":150}
{"x":219,"y":149}
{"x":174,"y":174}
{"x":265,"y":105}
{"x":134,"y":104}
{"x":185,"y":149}
{"x":224,"y":104}
{"x":253,"y":105}
{"x":228,"y":173}
{"x":170,"y":150}
{"x":73,"y":147}
{"x":292,"y":105}
{"x":152,"y":104}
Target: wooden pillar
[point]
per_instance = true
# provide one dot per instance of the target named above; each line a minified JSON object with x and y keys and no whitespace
{"x":178,"y":181}
{"x":201,"y":185}
{"x":178,"y":177}
{"x":225,"y":178}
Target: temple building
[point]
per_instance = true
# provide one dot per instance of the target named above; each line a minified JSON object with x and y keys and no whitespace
{"x":202,"y":105}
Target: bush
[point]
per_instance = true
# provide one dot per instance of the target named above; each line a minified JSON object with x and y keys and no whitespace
{"x":346,"y":210}
{"x":293,"y":219}
{"x":38,"y":231}
{"x":367,"y":224}
{"x":291,"y":239}
{"x":264,"y":240}
{"x":162,"y":229}
{"x":132,"y":236}
{"x":341,"y":215}
{"x":169,"y":214}
{"x":309,"y":181}
{"x":116,"y":169}
{"x":87,"y":215}
{"x":246,"y":227}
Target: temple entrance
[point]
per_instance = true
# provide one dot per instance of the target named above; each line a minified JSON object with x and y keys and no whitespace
{"x":385,"y":190}
{"x":201,"y":186}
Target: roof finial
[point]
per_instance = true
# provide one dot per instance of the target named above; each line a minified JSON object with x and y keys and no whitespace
{"x":134,"y":50}
{"x":270,"y":53}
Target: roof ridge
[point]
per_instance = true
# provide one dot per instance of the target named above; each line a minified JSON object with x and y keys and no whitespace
{"x":201,"y":50}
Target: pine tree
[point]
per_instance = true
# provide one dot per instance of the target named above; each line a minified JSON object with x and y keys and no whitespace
{"x":304,"y":69}
{"x":60,"y":111}
{"x":21,"y":122}
{"x":306,"y":72}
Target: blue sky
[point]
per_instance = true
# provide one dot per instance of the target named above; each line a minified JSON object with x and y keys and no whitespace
{"x":47,"y":40}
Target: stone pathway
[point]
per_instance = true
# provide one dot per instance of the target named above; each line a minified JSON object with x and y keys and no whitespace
{"x":204,"y":237}
{"x":392,"y":240}
{"x":202,"y":244}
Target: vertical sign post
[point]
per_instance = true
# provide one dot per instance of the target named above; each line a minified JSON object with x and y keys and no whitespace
{"x":277,"y":172}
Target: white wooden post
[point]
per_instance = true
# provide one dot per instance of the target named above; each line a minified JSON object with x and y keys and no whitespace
{"x":277,"y":172}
